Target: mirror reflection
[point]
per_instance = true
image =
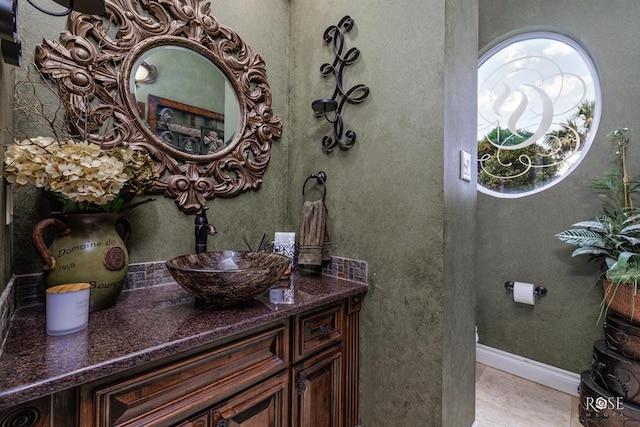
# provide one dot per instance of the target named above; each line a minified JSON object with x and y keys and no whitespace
{"x":185,"y":100}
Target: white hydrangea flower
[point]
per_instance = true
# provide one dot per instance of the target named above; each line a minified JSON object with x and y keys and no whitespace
{"x":79,"y":172}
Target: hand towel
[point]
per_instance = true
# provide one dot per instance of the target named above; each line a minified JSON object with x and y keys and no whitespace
{"x":315,"y":245}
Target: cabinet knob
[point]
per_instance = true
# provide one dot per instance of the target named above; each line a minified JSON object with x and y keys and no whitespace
{"x":219,"y":421}
{"x":353,"y":304}
{"x":325,"y":328}
{"x":302,"y":383}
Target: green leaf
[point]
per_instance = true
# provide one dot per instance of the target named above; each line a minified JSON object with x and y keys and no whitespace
{"x":624,"y":257}
{"x":632,"y":218}
{"x":631,"y":239}
{"x":583,"y":238}
{"x":589,"y":250}
{"x":594,"y":225}
{"x":632,"y":229}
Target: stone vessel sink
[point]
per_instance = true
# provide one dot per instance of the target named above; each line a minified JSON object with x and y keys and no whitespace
{"x":228,"y":278}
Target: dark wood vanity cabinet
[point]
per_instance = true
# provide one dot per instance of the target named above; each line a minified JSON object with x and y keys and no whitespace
{"x":299,"y":371}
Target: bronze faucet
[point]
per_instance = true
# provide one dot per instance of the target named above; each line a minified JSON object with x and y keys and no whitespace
{"x":203,"y":230}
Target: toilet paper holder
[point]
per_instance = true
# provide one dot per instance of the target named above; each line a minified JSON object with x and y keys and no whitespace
{"x":538,"y":290}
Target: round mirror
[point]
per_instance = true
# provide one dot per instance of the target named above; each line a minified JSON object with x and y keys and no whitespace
{"x":167,"y":78}
{"x":185,"y":99}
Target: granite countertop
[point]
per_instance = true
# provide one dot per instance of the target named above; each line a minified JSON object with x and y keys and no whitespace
{"x":145,"y":325}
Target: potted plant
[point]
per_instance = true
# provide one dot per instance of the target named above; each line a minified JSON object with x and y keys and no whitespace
{"x":89,"y":186}
{"x":613,"y":238}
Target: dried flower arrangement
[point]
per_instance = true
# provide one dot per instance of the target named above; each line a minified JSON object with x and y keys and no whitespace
{"x":80,"y":176}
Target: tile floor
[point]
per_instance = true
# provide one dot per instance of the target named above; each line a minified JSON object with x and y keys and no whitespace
{"x":505,"y":400}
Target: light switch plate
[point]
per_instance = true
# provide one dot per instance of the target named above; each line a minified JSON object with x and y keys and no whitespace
{"x":465,"y":166}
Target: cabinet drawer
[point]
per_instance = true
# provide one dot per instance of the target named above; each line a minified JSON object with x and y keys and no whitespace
{"x":317,"y":330}
{"x":172,"y":393}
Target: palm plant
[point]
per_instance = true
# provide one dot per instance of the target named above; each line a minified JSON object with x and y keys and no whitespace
{"x":573,"y":131}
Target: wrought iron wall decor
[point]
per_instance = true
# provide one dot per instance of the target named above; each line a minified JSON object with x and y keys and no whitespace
{"x":355,"y":95}
{"x":94,"y":67}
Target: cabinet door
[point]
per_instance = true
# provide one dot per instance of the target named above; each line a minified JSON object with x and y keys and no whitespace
{"x":264,"y":405}
{"x":317,"y":395}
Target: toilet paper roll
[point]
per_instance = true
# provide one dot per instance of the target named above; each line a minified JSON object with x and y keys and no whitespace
{"x":523,"y":293}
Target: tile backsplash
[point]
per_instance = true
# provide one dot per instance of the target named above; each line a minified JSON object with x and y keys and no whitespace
{"x":345,"y":268}
{"x":147,"y":274}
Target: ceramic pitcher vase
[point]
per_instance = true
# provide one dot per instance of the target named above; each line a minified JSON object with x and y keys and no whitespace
{"x":88,"y":249}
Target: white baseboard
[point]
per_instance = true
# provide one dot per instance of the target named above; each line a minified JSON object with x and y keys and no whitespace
{"x":541,"y":373}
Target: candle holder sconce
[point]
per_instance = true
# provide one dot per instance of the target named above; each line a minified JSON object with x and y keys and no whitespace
{"x":325,"y":106}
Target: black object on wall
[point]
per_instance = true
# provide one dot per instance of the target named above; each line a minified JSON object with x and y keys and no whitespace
{"x":10,"y":45}
{"x":357,"y":94}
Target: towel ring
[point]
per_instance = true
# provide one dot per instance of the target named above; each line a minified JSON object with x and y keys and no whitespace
{"x":321,"y":178}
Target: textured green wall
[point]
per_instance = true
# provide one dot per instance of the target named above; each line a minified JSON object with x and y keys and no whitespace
{"x":388,"y":196}
{"x":461,"y":31}
{"x":516,"y":237}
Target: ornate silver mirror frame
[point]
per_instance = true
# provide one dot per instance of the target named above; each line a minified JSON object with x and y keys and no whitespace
{"x":92,"y":66}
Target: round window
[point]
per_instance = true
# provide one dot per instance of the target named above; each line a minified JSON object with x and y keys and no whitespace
{"x":538,"y":108}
